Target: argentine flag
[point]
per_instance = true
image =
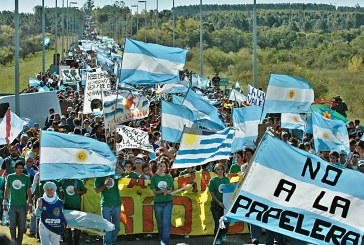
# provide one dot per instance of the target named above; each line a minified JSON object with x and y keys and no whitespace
{"x":199,"y":146}
{"x":68,"y":156}
{"x":147,"y":63}
{"x":292,"y":121}
{"x":288,"y":94}
{"x":33,"y":82}
{"x":329,"y":135}
{"x":246,"y":121}
{"x":174,"y":119}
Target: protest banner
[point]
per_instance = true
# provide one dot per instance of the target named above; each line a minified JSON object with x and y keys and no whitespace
{"x":191,"y":213}
{"x":295,"y":193}
{"x":70,"y":76}
{"x":122,"y":106}
{"x":96,"y":82}
{"x":132,"y":138}
{"x":255,"y":96}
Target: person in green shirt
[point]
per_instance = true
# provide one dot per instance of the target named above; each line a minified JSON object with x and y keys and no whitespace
{"x":162,"y":184}
{"x":18,"y":186}
{"x":217,"y":205}
{"x":73,"y":189}
{"x":110,"y":204}
{"x":9,"y":163}
{"x":188,"y":170}
{"x":128,"y":171}
{"x":237,"y":167}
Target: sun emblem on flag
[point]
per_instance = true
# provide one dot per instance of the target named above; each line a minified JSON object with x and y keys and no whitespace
{"x":296,"y":118}
{"x":81,"y":155}
{"x":325,"y":135}
{"x":327,"y":115}
{"x":190,"y":139}
{"x":291,"y":94}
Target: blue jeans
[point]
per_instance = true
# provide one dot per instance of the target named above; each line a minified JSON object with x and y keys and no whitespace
{"x":163,"y":214}
{"x":111,"y":214}
{"x":17,"y":218}
{"x":217,"y":213}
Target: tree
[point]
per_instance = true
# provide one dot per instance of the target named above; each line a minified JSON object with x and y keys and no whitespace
{"x":218,"y":59}
{"x":88,"y":6}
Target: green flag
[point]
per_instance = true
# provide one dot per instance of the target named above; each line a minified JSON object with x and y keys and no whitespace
{"x":328,"y":113}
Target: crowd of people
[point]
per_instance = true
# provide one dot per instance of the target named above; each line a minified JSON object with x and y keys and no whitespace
{"x":45,"y":200}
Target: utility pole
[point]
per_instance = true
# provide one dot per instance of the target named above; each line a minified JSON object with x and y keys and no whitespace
{"x":201,"y":40}
{"x":255,"y":70}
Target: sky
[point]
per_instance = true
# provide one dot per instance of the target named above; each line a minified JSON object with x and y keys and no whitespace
{"x":28,"y":5}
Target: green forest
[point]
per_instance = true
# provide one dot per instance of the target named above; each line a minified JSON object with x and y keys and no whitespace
{"x":321,"y":43}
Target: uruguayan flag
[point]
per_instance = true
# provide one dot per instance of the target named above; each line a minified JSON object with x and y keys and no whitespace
{"x":174,"y":119}
{"x":292,"y":121}
{"x":329,"y":135}
{"x":199,"y":146}
{"x":237,"y":96}
{"x":288,"y":94}
{"x":147,"y":63}
{"x":246,"y":121}
{"x":68,"y":156}
{"x":208,"y":115}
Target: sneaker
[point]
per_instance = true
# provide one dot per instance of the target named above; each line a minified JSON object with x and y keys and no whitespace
{"x":255,"y":241}
{"x":148,"y":236}
{"x":223,"y":238}
{"x":217,"y":242}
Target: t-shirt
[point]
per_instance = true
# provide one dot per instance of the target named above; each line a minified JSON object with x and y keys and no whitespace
{"x":214,"y":187}
{"x":18,"y":186}
{"x":109,"y":196}
{"x":184,"y":172}
{"x":71,"y":199}
{"x":235,"y":168}
{"x":132,"y":175}
{"x":158,"y":183}
{"x":9,"y":164}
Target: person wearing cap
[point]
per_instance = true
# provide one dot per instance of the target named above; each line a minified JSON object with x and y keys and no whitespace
{"x":342,"y":158}
{"x":339,"y":106}
{"x":18,"y":197}
{"x":50,"y":210}
{"x":139,"y":161}
{"x":361,"y":166}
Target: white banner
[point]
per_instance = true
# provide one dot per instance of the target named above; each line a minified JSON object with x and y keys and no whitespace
{"x":123,"y":106}
{"x":255,"y":96}
{"x":96,"y":82}
{"x":132,"y":138}
{"x":70,"y":76}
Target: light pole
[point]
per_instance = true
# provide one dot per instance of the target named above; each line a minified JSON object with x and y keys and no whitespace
{"x":173,"y":26}
{"x":156,"y":25}
{"x":62,"y":56}
{"x":73,"y":22}
{"x":56,"y":39}
{"x":255,"y":70}
{"x":17,"y":105}
{"x":145,"y":20}
{"x":43,"y":37}
{"x":137,"y":22}
{"x":68,"y":20}
{"x":201,"y":41}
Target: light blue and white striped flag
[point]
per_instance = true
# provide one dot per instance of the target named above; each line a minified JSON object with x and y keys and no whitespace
{"x":33,"y":82}
{"x":246,"y":121}
{"x":174,"y":119}
{"x":292,"y":121}
{"x":199,"y":146}
{"x":208,"y":115}
{"x":67,"y":156}
{"x":147,"y":63}
{"x":329,"y":135}
{"x":288,"y":94}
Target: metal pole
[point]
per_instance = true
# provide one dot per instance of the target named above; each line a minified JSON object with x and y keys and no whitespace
{"x":137,"y":19}
{"x":62,"y":56}
{"x":255,"y":70}
{"x":56,"y":39}
{"x":68,"y":22}
{"x":43,"y":37}
{"x":201,"y":40}
{"x":173,"y":26}
{"x":17,"y":104}
{"x":156,"y":25}
{"x":145,"y":22}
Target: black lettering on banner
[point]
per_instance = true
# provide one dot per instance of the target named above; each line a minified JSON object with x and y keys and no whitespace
{"x":351,"y":236}
{"x":299,"y":228}
{"x":335,"y":234}
{"x":308,"y":164}
{"x":317,"y":204}
{"x":317,"y":227}
{"x":340,"y":202}
{"x":285,"y":220}
{"x":281,"y":187}
{"x":245,"y":203}
{"x":271,"y":213}
{"x":337,"y":172}
{"x":257,"y":207}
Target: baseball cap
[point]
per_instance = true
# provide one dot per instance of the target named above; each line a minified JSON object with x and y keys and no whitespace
{"x":361,"y":163}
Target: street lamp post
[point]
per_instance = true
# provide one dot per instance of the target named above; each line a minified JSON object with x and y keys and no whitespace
{"x":156,"y":25}
{"x":73,"y":22}
{"x":62,"y":53}
{"x":137,"y":19}
{"x":43,"y":37}
{"x":255,"y":70}
{"x":56,"y":39}
{"x":145,"y":20}
{"x":67,"y":27}
{"x":201,"y":40}
{"x":17,"y":104}
{"x":173,"y":26}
